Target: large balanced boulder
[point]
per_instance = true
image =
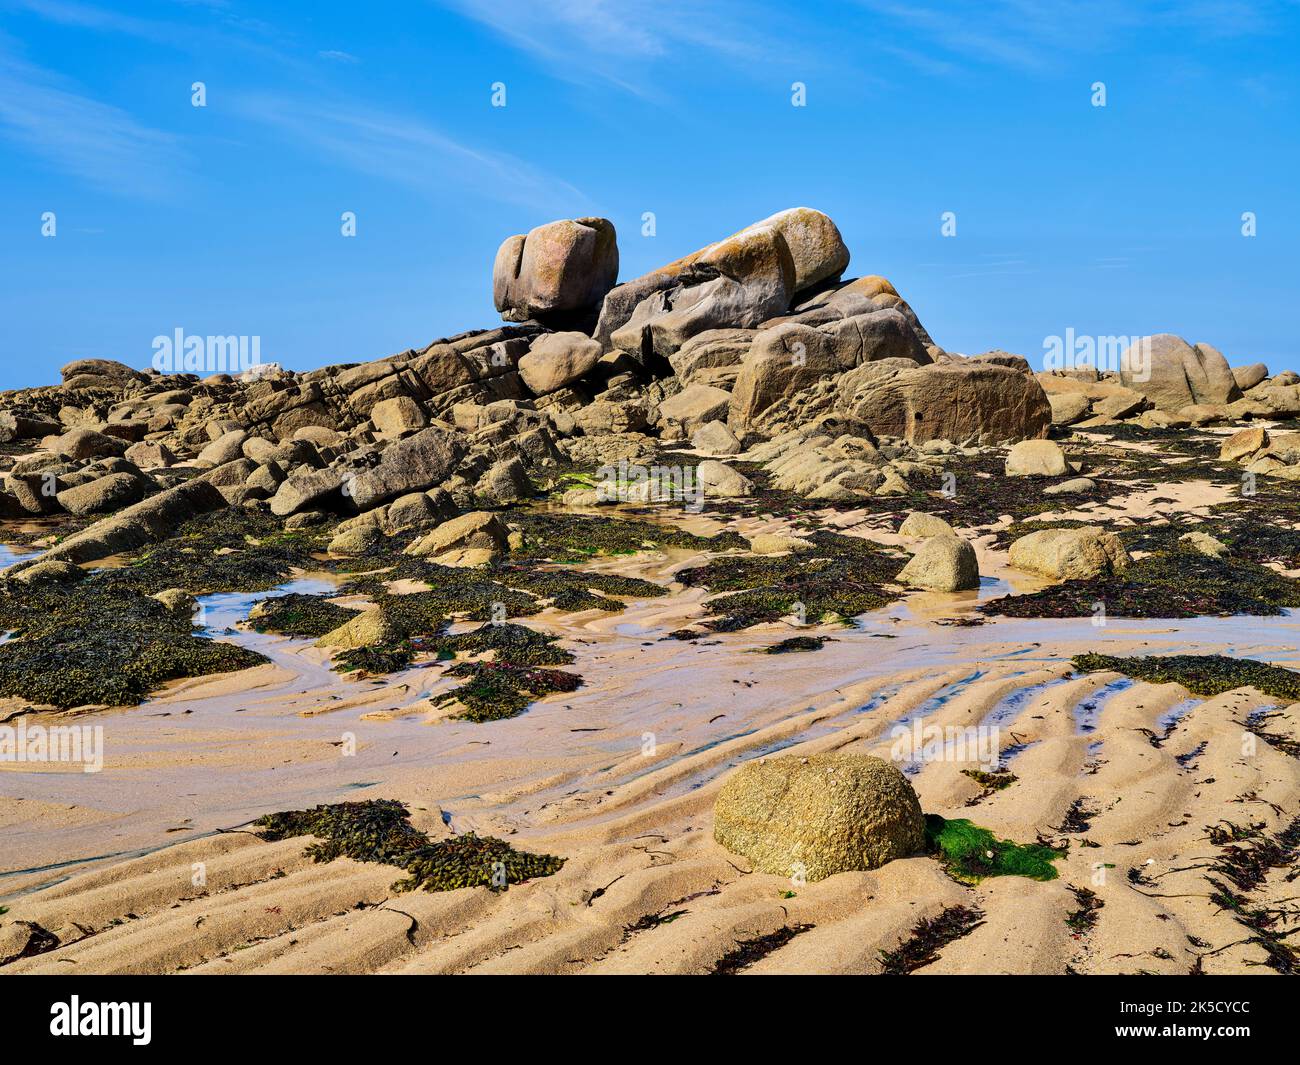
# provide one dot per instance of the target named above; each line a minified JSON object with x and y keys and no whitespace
{"x":819,"y":815}
{"x":1069,"y":554}
{"x":566,"y":265}
{"x":943,"y":563}
{"x":816,"y":247}
{"x":1174,"y":374}
{"x":741,"y":281}
{"x":959,"y":401}
{"x":1247,"y":377}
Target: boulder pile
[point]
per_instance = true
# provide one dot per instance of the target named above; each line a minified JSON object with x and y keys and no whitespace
{"x":756,"y":345}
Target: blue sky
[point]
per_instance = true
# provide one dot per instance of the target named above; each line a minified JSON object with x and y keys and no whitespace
{"x":1122,"y":220}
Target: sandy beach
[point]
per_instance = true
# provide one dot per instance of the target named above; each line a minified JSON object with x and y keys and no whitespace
{"x":149,"y":866}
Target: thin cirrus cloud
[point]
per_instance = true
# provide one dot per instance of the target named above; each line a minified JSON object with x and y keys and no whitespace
{"x":47,"y":116}
{"x":1032,"y":36}
{"x":625,"y":42}
{"x":406,"y":150}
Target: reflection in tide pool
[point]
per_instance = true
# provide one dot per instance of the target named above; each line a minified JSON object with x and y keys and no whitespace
{"x":11,"y":556}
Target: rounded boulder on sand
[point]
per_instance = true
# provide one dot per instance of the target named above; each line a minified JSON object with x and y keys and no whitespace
{"x":820,"y":815}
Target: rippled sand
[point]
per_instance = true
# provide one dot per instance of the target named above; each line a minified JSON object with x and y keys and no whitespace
{"x":620,"y":776}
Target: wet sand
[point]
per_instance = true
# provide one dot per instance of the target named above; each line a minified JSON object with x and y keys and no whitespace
{"x":619,"y":777}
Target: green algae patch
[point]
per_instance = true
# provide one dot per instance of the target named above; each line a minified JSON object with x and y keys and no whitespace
{"x":794,"y":644}
{"x":380,"y":830}
{"x":374,"y":661}
{"x":970,"y":853}
{"x":558,"y":536}
{"x":1174,"y":584}
{"x":107,"y":641}
{"x":100,"y":643}
{"x":299,"y":615}
{"x":1199,"y":674}
{"x":230,"y":550}
{"x":506,"y":640}
{"x":841,"y":577}
{"x":375,"y":830}
{"x":472,"y":861}
{"x":494,"y":691}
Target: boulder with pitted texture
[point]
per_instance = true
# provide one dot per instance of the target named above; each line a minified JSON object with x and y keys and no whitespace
{"x":819,"y":815}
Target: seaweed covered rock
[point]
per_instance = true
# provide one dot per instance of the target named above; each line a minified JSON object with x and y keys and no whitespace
{"x":1166,"y":584}
{"x":145,"y":522}
{"x":102,"y":642}
{"x":820,"y":815}
{"x":1200,"y":674}
{"x":299,"y":615}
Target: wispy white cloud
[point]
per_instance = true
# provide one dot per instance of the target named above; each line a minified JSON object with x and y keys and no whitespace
{"x":338,"y":56}
{"x":49,"y":116}
{"x":1034,"y":35}
{"x":409,"y":151}
{"x":210,"y":25}
{"x":626,"y":42}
